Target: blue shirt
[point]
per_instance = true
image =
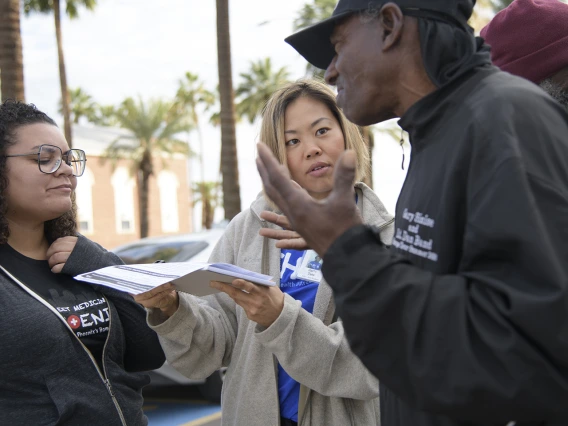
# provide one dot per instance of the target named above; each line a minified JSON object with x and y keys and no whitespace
{"x":305,"y":291}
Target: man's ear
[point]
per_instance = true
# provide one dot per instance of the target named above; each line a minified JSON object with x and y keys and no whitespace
{"x":391,"y":20}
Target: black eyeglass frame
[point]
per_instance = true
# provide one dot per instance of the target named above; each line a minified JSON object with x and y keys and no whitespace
{"x":64,"y":157}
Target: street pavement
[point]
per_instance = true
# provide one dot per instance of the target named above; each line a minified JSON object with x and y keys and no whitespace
{"x":179,"y":406}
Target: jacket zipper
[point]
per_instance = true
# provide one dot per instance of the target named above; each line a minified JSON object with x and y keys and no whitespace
{"x":52,"y":309}
{"x":387,"y":223}
{"x":263,"y":269}
{"x":349,"y":407}
{"x":105,"y":379}
{"x":407,"y":171}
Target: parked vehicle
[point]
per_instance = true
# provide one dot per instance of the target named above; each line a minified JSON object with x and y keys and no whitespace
{"x":196,"y":247}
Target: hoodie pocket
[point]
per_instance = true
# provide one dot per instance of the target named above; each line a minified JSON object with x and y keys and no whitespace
{"x":77,"y":402}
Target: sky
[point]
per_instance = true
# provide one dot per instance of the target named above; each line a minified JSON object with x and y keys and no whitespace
{"x":130,"y":48}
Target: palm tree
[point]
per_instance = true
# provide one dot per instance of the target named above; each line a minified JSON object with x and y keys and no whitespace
{"x":208,"y":194}
{"x":11,"y":62}
{"x":310,"y":15}
{"x":229,"y":161}
{"x":47,"y":6}
{"x":104,"y":115}
{"x":215,"y":117}
{"x":191,"y":96}
{"x":154,"y":127}
{"x":81,"y":105}
{"x":257,"y":87}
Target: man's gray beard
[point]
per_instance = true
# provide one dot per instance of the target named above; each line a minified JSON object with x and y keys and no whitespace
{"x":556,"y":91}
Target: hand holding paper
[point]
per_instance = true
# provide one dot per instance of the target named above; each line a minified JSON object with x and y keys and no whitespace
{"x":164,"y":298}
{"x":262,"y":304}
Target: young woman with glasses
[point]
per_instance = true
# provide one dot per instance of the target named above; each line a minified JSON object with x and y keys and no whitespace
{"x":71,"y":352}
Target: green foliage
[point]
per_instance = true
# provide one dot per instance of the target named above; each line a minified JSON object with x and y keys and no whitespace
{"x":210,"y":195}
{"x":154,"y":126}
{"x":191,"y":95}
{"x":207,"y":192}
{"x":81,"y":105}
{"x":257,"y":86}
{"x":215,"y":118}
{"x":105,"y":115}
{"x":46,"y":6}
{"x":311,"y":14}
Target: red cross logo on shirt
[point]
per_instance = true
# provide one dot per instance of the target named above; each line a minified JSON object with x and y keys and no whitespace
{"x":74,"y":322}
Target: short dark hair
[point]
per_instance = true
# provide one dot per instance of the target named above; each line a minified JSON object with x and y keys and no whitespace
{"x":13,"y":115}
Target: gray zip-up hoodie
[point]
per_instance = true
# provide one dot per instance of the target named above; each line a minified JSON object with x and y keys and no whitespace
{"x":208,"y":333}
{"x":48,"y":377}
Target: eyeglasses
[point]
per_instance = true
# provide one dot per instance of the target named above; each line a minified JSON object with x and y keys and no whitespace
{"x":49,"y":159}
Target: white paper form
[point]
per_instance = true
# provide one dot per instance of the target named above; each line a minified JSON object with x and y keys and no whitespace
{"x":192,"y":278}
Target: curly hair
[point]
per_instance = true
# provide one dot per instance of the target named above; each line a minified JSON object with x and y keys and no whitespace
{"x":15,"y":114}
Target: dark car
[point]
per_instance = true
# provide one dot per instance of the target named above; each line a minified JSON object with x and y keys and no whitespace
{"x":196,"y":247}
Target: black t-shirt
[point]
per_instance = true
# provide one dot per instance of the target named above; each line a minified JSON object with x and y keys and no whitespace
{"x":85,"y":310}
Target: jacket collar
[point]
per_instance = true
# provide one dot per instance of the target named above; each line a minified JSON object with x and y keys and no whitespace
{"x":432,"y":113}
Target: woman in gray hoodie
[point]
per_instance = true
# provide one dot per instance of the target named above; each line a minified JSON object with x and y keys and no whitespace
{"x":287,"y":357}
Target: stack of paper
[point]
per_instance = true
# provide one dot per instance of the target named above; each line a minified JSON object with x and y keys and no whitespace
{"x":188,"y":277}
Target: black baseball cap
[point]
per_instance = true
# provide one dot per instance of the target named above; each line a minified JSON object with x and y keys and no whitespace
{"x":313,"y":42}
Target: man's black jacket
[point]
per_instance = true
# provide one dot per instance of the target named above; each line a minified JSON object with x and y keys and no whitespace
{"x":465,"y":319}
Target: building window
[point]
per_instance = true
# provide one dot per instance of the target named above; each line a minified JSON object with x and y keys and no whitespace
{"x":123,"y":186}
{"x":168,"y":185}
{"x":84,"y":200}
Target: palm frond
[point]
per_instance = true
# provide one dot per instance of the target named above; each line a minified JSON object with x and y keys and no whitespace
{"x":257,"y":86}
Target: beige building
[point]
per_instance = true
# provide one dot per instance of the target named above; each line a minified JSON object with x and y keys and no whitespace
{"x":107,"y":197}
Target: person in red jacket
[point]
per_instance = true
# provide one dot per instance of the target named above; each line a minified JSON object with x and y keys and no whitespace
{"x":529,"y":38}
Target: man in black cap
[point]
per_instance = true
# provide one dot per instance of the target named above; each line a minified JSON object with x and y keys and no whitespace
{"x":464,"y":319}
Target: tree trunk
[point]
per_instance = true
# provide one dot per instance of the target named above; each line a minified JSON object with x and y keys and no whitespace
{"x":209,"y":216}
{"x":65,"y":100}
{"x":203,"y":212}
{"x":229,"y":163}
{"x":11,"y":61}
{"x":206,"y":211}
{"x":144,"y":172}
{"x":369,"y":141}
{"x":200,"y":140}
